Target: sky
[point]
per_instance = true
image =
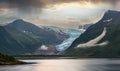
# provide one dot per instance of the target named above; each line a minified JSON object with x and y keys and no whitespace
{"x":60,"y":13}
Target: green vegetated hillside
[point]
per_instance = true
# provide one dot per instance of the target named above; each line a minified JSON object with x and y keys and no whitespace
{"x":20,"y":37}
{"x":8,"y":60}
{"x":111,"y":21}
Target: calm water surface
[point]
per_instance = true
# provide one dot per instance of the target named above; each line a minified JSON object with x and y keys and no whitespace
{"x":67,"y":65}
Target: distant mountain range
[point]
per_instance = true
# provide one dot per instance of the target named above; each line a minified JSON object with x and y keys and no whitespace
{"x":110,"y":21}
{"x":21,"y":37}
{"x":101,"y":39}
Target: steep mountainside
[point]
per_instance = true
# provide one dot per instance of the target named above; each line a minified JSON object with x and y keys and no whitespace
{"x":36,"y":32}
{"x":20,"y":37}
{"x":8,"y":45}
{"x":111,"y":21}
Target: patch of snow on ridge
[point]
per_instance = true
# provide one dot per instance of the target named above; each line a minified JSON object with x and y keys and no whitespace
{"x":109,"y":20}
{"x":94,"y":42}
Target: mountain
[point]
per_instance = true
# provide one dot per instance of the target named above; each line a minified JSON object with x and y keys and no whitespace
{"x":21,"y":37}
{"x":36,"y":32}
{"x":8,"y":44}
{"x":73,"y":34}
{"x":86,"y":26}
{"x":110,"y":20}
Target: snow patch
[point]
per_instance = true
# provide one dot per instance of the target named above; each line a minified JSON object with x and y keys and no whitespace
{"x":109,"y":20}
{"x":43,"y":47}
{"x":94,"y":42}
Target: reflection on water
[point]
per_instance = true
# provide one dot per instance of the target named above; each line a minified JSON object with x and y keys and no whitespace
{"x":67,"y":65}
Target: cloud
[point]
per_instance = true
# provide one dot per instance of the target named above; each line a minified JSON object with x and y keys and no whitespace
{"x":26,"y":5}
{"x":41,"y":12}
{"x":29,"y":7}
{"x":21,"y":5}
{"x":111,"y":2}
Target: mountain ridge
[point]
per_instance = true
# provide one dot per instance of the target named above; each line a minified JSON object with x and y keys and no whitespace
{"x":21,"y":37}
{"x":110,"y":20}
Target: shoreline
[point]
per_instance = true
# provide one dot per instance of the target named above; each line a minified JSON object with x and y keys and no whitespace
{"x":13,"y":63}
{"x":42,"y":58}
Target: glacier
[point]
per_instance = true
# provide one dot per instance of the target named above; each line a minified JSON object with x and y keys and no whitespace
{"x":73,"y":34}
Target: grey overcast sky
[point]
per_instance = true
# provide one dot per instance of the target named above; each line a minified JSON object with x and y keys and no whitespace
{"x":60,"y":13}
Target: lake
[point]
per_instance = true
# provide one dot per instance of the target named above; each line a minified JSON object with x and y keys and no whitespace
{"x":66,"y":65}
